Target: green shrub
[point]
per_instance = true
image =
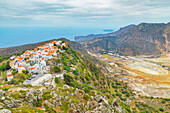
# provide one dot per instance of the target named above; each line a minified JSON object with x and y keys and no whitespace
{"x":114,"y":95}
{"x":86,"y":97}
{"x":76,"y":85}
{"x":47,"y":96}
{"x":39,"y":103}
{"x":142,"y":111}
{"x":67,"y":68}
{"x":16,"y":96}
{"x":86,"y":90}
{"x":76,"y":72}
{"x":87,"y":77}
{"x":95,"y":83}
{"x":117,"y":83}
{"x":163,"y":101}
{"x":68,"y":79}
{"x":161,"y":109}
{"x":127,"y":94}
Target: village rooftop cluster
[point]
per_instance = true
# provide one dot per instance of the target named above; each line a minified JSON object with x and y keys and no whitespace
{"x":35,"y":60}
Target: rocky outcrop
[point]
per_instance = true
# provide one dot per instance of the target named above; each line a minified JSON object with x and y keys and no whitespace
{"x":32,"y":95}
{"x":5,"y":111}
{"x":100,"y":99}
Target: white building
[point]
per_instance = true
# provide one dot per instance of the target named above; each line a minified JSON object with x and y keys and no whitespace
{"x":10,"y":77}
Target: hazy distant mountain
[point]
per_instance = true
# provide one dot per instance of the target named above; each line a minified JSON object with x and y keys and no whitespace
{"x":92,"y":36}
{"x":143,"y":39}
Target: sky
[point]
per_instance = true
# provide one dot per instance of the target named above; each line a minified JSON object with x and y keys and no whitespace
{"x":82,"y":13}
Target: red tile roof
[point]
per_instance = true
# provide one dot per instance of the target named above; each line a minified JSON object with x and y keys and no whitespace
{"x":10,"y":75}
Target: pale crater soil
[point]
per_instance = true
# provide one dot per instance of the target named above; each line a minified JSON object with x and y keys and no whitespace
{"x":146,"y":76}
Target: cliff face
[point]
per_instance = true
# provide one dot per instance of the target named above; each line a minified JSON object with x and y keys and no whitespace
{"x":167,"y":36}
{"x":143,"y":39}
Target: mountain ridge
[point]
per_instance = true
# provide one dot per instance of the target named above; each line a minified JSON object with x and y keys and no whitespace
{"x":142,"y":39}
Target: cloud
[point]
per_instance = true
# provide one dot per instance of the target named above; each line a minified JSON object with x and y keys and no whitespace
{"x":77,"y":10}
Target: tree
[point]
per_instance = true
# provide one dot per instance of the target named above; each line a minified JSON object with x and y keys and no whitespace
{"x":67,"y":68}
{"x":13,"y":81}
{"x":8,"y":66}
{"x":57,"y":69}
{"x":25,"y":71}
{"x":161,"y":109}
{"x":127,"y":94}
{"x":3,"y":67}
{"x":56,"y":80}
{"x":14,"y":72}
{"x":29,"y":75}
{"x":68,"y":79}
{"x":39,"y":102}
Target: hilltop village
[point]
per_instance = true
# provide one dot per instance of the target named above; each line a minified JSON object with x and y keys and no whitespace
{"x":55,"y":78}
{"x":34,"y":62}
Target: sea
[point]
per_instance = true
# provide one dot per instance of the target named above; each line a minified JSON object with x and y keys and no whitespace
{"x":16,"y":36}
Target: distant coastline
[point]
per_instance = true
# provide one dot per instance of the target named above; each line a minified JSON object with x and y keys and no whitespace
{"x":108,"y":30}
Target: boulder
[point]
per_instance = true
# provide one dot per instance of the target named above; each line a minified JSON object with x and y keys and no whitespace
{"x":100,"y":99}
{"x":66,"y":98}
{"x":72,"y":106}
{"x":5,"y":111}
{"x":1,"y":105}
{"x":115,"y":103}
{"x":3,"y":98}
{"x":120,"y":110}
{"x":6,"y":102}
{"x":76,"y":91}
{"x":2,"y":93}
{"x":66,"y":87}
